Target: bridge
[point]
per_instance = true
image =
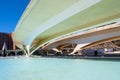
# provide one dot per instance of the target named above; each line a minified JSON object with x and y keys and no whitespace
{"x":4,"y":53}
{"x":88,"y":38}
{"x":45,"y":21}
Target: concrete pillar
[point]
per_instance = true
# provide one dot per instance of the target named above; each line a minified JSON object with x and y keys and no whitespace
{"x":78,"y":47}
{"x":59,"y":52}
{"x":55,"y":49}
{"x":28,"y":51}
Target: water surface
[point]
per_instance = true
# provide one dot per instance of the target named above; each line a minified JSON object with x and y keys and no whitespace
{"x":58,"y":69}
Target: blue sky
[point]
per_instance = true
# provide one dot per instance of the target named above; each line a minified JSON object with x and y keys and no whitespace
{"x":10,"y":13}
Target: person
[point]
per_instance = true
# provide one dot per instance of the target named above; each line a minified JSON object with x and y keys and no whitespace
{"x":96,"y":53}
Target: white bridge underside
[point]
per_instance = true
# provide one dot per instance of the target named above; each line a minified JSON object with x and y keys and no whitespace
{"x":44,"y":21}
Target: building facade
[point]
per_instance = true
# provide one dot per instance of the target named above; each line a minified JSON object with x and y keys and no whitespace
{"x":6,"y":38}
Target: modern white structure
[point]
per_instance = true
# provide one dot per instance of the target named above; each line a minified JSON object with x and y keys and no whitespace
{"x":46,"y":21}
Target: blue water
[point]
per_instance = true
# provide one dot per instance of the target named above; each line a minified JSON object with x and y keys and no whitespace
{"x":58,"y":69}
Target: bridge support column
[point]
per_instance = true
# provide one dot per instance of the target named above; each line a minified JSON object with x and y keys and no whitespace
{"x":55,"y":49}
{"x":78,"y":48}
{"x":58,"y":51}
{"x":28,"y":51}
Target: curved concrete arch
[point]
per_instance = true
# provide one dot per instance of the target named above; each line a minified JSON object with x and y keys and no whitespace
{"x":101,"y":41}
{"x":36,"y":24}
{"x":70,"y":11}
{"x":88,"y":38}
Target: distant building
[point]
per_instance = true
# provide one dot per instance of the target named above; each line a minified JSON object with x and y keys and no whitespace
{"x":7,"y":39}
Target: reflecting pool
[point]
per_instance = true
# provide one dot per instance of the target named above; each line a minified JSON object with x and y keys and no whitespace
{"x":58,"y":69}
